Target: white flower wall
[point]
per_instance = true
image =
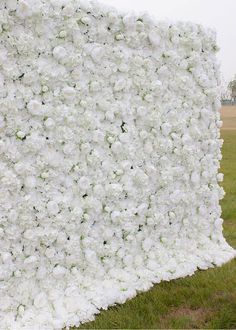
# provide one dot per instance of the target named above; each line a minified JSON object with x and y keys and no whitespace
{"x":109,"y":154}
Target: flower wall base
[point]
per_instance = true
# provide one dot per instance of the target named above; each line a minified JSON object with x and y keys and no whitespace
{"x":109,"y":158}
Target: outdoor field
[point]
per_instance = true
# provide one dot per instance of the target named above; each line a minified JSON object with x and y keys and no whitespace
{"x":206,"y":300}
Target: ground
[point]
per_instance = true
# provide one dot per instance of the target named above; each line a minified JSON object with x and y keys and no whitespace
{"x":206,"y":300}
{"x":228,"y":115}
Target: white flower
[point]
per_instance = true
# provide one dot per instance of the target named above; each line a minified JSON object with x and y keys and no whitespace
{"x":148,"y":98}
{"x":6,"y":257}
{"x":119,"y":36}
{"x":59,"y":271}
{"x":147,"y":244}
{"x":129,"y":21}
{"x":166,"y":129}
{"x":45,"y":88}
{"x":141,"y":178}
{"x":84,"y":183}
{"x":30,"y":260}
{"x":62,"y":34}
{"x":30,"y":182}
{"x":195,"y":177}
{"x":83,"y":103}
{"x":44,"y":175}
{"x":115,"y":215}
{"x":203,"y":210}
{"x":119,"y":85}
{"x":2,"y":122}
{"x":154,"y":38}
{"x":52,"y":208}
{"x":85,"y":20}
{"x":59,"y":53}
{"x":68,"y":92}
{"x":20,"y":135}
{"x":23,"y":9}
{"x":40,"y":300}
{"x":95,"y":86}
{"x":176,"y":196}
{"x":150,"y":221}
{"x":97,"y":54}
{"x":77,"y":212}
{"x":117,"y":147}
{"x":142,"y":111}
{"x":29,"y":234}
{"x":49,"y":123}
{"x":35,"y":108}
{"x":220,"y":177}
{"x":156,"y":85}
{"x":98,"y":190}
{"x":50,"y":253}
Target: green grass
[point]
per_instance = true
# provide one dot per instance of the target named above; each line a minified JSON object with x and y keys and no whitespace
{"x":206,"y":300}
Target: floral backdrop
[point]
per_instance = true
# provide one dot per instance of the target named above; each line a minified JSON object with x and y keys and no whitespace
{"x":109,"y":158}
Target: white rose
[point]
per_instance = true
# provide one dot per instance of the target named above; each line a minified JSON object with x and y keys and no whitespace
{"x":49,"y":123}
{"x":119,"y":85}
{"x":52,"y":208}
{"x":95,"y":86}
{"x":195,"y":177}
{"x":68,"y":93}
{"x":35,"y":108}
{"x":59,"y":53}
{"x":97,"y":54}
{"x":59,"y":271}
{"x":40,"y":300}
{"x":166,"y":129}
{"x":30,"y":182}
{"x":154,"y":38}
{"x":30,"y":260}
{"x":84,"y":183}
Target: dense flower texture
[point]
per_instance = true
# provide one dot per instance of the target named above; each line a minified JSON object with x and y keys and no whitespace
{"x":109,"y":155}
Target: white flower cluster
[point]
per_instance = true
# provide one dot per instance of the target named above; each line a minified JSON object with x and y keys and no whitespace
{"x":109,"y":154}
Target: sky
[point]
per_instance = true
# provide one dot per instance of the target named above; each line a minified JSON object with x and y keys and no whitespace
{"x":217,"y":14}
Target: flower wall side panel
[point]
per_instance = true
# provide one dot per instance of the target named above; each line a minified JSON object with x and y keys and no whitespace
{"x":109,"y":154}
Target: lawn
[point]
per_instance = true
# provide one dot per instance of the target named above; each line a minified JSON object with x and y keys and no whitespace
{"x":206,"y":300}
